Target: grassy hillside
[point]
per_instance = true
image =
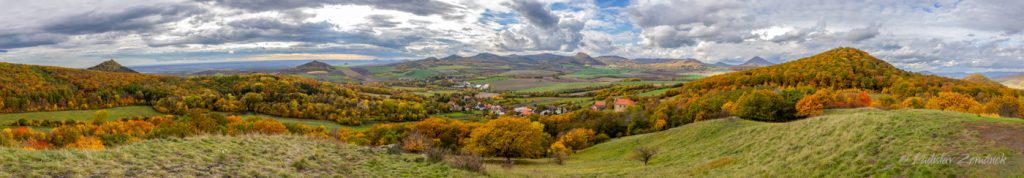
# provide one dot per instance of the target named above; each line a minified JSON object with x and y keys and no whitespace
{"x":216,"y":156}
{"x":78,"y":115}
{"x":844,"y":143}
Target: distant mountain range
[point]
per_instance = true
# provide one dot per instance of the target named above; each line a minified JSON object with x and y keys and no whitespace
{"x":271,"y":65}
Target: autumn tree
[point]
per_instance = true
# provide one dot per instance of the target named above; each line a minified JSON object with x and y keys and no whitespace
{"x":1005,"y":106}
{"x":762,"y":105}
{"x":951,"y":101}
{"x":811,"y":105}
{"x":912,"y":102}
{"x":508,"y":137}
{"x":577,"y":139}
{"x":86,"y":143}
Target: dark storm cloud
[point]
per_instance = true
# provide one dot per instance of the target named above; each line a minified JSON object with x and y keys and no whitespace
{"x":382,"y":21}
{"x":271,"y":29}
{"x":534,"y":12}
{"x":132,"y":19}
{"x":418,"y":7}
{"x":21,"y":40}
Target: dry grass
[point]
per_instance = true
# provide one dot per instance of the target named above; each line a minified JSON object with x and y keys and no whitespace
{"x":217,"y":156}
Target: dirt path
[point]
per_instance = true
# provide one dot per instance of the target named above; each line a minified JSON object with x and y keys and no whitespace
{"x":1004,"y":135}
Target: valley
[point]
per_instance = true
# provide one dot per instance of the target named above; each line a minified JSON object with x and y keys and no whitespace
{"x":840,"y":112}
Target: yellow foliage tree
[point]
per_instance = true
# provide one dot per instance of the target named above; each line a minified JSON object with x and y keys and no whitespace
{"x":951,"y":101}
{"x":508,"y":137}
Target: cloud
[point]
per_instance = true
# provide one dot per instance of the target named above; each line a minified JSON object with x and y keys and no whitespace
{"x":306,"y":56}
{"x":132,"y":19}
{"x":418,"y":7}
{"x":535,"y":13}
{"x":382,"y":21}
{"x":861,"y":34}
{"x":990,"y":15}
{"x":21,"y":40}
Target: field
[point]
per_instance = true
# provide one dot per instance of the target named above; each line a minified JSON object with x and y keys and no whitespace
{"x":220,"y":156}
{"x":78,"y":115}
{"x":845,"y":143}
{"x":562,"y":86}
{"x":599,"y":72}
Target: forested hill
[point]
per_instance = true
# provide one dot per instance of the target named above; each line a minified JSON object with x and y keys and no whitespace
{"x":836,"y":68}
{"x":28,"y":88}
{"x":838,"y":78}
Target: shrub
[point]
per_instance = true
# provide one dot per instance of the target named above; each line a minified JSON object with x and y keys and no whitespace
{"x":86,"y":143}
{"x":436,"y":154}
{"x":577,"y":139}
{"x":912,"y":102}
{"x":467,"y":162}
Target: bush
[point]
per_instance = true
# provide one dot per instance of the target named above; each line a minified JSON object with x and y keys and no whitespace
{"x":436,"y":154}
{"x":912,"y":102}
{"x":467,"y":162}
{"x":1005,"y":106}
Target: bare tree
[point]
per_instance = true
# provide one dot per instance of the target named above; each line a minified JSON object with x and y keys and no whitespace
{"x":644,"y":154}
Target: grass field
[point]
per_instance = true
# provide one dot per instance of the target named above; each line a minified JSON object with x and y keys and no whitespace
{"x":599,"y":72}
{"x":650,"y":82}
{"x":220,"y":156}
{"x":843,"y":143}
{"x":655,"y":92}
{"x":78,"y":115}
{"x":562,"y":86}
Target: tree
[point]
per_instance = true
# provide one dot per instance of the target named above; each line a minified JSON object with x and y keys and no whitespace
{"x":1005,"y":106}
{"x":912,"y":102}
{"x":812,"y":105}
{"x":644,"y":154}
{"x":577,"y":139}
{"x":951,"y":101}
{"x":762,"y":105}
{"x":508,"y":137}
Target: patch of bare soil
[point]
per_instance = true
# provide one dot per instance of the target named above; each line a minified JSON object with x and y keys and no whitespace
{"x":1004,"y":135}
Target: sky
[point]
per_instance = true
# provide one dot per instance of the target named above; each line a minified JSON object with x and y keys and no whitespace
{"x":917,"y":35}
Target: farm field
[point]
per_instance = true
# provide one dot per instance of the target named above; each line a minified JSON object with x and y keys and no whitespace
{"x":216,"y":156}
{"x":867,"y":142}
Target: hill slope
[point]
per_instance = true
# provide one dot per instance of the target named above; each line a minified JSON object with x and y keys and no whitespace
{"x":112,"y":66}
{"x":844,"y":143}
{"x":217,"y":156}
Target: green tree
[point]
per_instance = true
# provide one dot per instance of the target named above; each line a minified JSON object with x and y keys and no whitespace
{"x":763,"y":105}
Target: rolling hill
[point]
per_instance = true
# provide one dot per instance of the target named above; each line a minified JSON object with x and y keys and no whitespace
{"x":218,"y":156}
{"x":751,"y":63}
{"x":843,"y":143}
{"x":112,"y":66}
{"x":1016,"y":81}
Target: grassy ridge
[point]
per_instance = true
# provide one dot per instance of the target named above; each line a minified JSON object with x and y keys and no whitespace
{"x":845,"y":143}
{"x":217,"y":156}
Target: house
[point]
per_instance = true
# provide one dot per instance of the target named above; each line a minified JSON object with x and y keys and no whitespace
{"x":622,"y":103}
{"x":523,"y":111}
{"x":598,"y":105}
